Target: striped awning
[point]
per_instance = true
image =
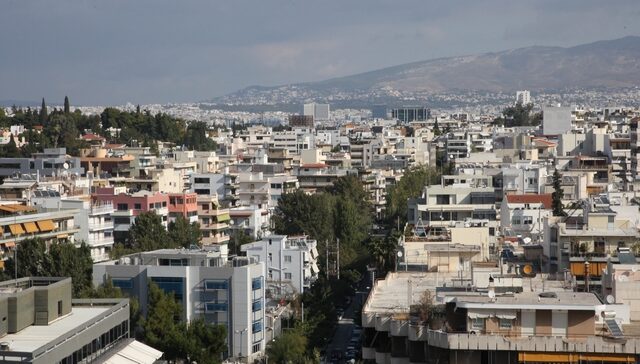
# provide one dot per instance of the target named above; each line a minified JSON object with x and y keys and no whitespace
{"x":30,"y":227}
{"x":16,"y":229}
{"x":223,"y":217}
{"x":46,"y":225}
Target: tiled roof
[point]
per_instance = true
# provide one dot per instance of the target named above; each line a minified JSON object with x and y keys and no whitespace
{"x":545,"y":199}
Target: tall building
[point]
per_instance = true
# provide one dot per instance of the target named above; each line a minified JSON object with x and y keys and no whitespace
{"x":320,"y":112}
{"x":379,"y":112}
{"x":523,"y":97}
{"x":556,"y":120}
{"x":407,"y":114}
{"x":229,"y":293}
{"x":291,"y":262}
{"x":305,"y":121}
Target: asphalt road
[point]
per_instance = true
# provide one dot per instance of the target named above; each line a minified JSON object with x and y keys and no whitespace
{"x":342,"y":335}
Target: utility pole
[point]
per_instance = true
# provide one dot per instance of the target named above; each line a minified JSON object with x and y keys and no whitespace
{"x":326,"y":242}
{"x":338,"y":259}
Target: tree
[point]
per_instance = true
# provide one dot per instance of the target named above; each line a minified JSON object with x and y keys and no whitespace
{"x":69,"y":261}
{"x":238,"y":239}
{"x":410,"y":186}
{"x":147,"y":233}
{"x":11,"y":150}
{"x":289,"y":347}
{"x":556,"y":196}
{"x":66,"y":105}
{"x":436,"y":128}
{"x":43,"y":112}
{"x":162,"y":327}
{"x":206,"y":342}
{"x":183,"y":234}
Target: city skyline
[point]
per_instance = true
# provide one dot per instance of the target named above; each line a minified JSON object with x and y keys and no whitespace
{"x":117,"y":52}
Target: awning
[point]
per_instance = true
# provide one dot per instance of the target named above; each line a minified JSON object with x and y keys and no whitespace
{"x":16,"y":229}
{"x":506,"y":314}
{"x":62,"y":236}
{"x":133,"y":352}
{"x":477,"y":315}
{"x":46,"y":225}
{"x":223,"y":217}
{"x":30,"y":227}
{"x":9,"y":244}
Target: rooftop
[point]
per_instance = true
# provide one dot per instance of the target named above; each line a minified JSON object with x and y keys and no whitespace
{"x":545,"y":199}
{"x":36,"y":336}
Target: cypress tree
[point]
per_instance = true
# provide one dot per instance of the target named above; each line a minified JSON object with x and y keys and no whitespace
{"x":43,"y":112}
{"x":66,"y":104}
{"x":558,"y":209}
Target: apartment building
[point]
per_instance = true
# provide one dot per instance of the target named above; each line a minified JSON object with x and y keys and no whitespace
{"x":291,"y":262}
{"x":524,"y":215}
{"x":466,"y":325}
{"x":94,"y":220}
{"x":19,"y":222}
{"x":213,"y":220}
{"x":53,"y":161}
{"x":229,"y":293}
{"x":129,"y":206}
{"x":42,"y":324}
{"x":591,"y":232}
{"x":183,"y":204}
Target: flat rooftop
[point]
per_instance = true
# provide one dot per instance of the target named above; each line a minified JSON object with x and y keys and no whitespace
{"x":34,"y":337}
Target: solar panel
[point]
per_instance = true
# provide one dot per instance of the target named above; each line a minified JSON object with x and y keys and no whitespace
{"x":626,"y":258}
{"x":613,"y":327}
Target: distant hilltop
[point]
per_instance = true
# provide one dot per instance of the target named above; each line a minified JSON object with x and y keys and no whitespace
{"x":605,"y":64}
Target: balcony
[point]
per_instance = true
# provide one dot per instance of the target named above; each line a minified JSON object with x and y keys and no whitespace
{"x":492,"y":342}
{"x":101,"y":226}
{"x":101,"y":209}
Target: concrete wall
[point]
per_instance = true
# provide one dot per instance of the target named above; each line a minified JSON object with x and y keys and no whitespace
{"x":46,"y":301}
{"x":21,"y":308}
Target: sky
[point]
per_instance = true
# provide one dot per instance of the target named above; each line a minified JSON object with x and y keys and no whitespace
{"x":110,"y":52}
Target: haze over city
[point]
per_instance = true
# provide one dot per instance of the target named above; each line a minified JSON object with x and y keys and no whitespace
{"x":147,"y":51}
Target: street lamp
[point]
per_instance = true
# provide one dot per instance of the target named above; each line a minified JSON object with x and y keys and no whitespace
{"x":241,"y":332}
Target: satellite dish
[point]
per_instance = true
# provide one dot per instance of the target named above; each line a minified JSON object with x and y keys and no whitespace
{"x":492,"y":294}
{"x":622,"y":278}
{"x":65,"y":165}
{"x":527,"y":240}
{"x":399,"y":254}
{"x":634,"y":269}
{"x":610,"y":299}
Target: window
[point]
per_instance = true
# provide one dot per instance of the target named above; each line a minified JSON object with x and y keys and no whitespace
{"x":442,"y":199}
{"x":287,"y":276}
{"x":505,"y":324}
{"x":256,"y":348}
{"x":170,"y":285}
{"x":137,"y":206}
{"x":215,"y":307}
{"x":123,"y":207}
{"x":287,"y":258}
{"x":256,"y":305}
{"x":213,"y":284}
{"x":477,"y":324}
{"x":256,"y":326}
{"x":59,"y":308}
{"x":121,"y":220}
{"x":527,"y":220}
{"x":256,"y":283}
{"x":122,"y":283}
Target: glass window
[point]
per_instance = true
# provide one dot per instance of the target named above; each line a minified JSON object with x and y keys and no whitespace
{"x":123,"y":207}
{"x":256,"y":283}
{"x":137,"y":206}
{"x":287,"y":276}
{"x":256,"y":305}
{"x":505,"y":323}
{"x":256,"y":326}
{"x":477,"y":324}
{"x":216,"y":284}
{"x":173,"y":285}
{"x":287,"y":258}
{"x":215,"y":307}
{"x":122,"y":283}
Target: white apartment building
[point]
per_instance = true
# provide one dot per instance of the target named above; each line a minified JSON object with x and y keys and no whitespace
{"x":92,"y":219}
{"x":523,"y":97}
{"x":320,"y":112}
{"x":291,"y":262}
{"x":229,"y":293}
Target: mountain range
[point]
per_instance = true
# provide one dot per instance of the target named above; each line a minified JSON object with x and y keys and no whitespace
{"x":609,"y":64}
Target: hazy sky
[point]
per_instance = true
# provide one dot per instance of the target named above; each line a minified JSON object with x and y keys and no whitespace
{"x":145,"y":51}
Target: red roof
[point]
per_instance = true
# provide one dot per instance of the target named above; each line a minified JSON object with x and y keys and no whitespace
{"x":544,"y":199}
{"x":91,"y":136}
{"x":314,"y":165}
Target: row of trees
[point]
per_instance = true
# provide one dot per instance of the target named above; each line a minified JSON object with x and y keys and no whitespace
{"x":62,"y":128}
{"x":147,"y":234}
{"x":519,"y":115}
